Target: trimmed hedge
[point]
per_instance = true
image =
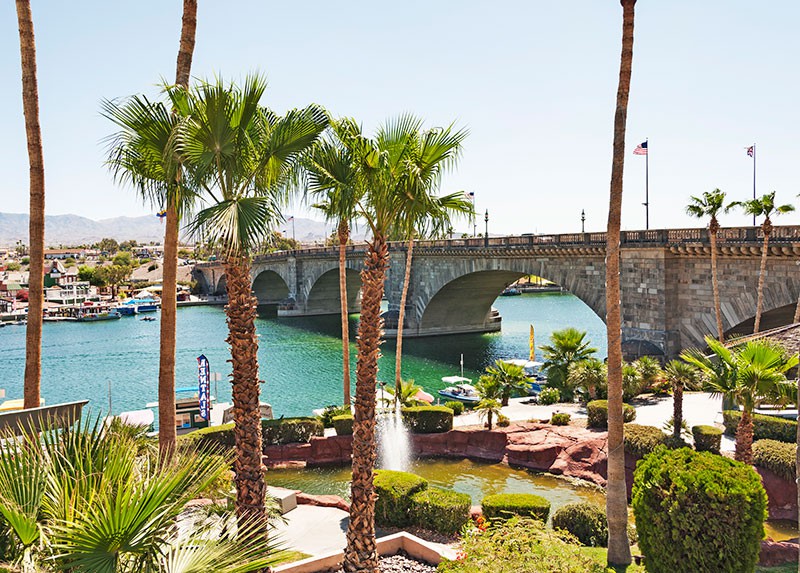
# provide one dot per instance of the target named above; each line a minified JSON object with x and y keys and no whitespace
{"x":778,"y":457}
{"x":505,"y":505}
{"x":696,"y":511}
{"x":549,"y":396}
{"x":456,"y":407}
{"x":440,"y":510}
{"x":707,"y":438}
{"x":290,"y":430}
{"x":764,"y":427}
{"x":598,"y":413}
{"x":212,"y":436}
{"x":343,"y":424}
{"x":329,"y":412}
{"x":586,"y":521}
{"x":642,"y":440}
{"x":428,"y":419}
{"x":560,"y":419}
{"x":394,"y":490}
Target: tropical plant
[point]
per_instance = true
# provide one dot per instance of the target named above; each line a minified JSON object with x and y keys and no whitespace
{"x":710,"y":205}
{"x":649,"y":371}
{"x":511,"y":378}
{"x":590,"y":377}
{"x":488,"y":408}
{"x":245,"y":158}
{"x":567,"y":347}
{"x":743,"y":375}
{"x":33,"y":133}
{"x":764,"y":205}
{"x":407,"y":396}
{"x":631,"y":382}
{"x":681,"y":375}
{"x":619,"y":552}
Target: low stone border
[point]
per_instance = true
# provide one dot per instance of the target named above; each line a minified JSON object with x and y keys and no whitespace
{"x":778,"y":552}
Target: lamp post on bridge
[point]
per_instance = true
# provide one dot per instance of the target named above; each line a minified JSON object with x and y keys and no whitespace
{"x":486,"y":234}
{"x":583,"y":221}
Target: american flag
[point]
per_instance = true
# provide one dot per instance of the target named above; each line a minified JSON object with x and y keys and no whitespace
{"x":751,"y":151}
{"x":641,"y":149}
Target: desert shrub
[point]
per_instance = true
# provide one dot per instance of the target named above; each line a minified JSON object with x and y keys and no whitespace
{"x":343,"y":425}
{"x":778,"y":457}
{"x":696,"y":511}
{"x":394,"y":491}
{"x":632,"y":382}
{"x":290,"y":430}
{"x":598,"y":413}
{"x":764,"y":427}
{"x":329,"y":412}
{"x":503,"y":421}
{"x":440,"y":510}
{"x":707,"y":438}
{"x":560,"y":419}
{"x":642,"y":440}
{"x":549,"y":396}
{"x":456,"y":407}
{"x":586,"y":521}
{"x":428,"y":419}
{"x":504,"y":505}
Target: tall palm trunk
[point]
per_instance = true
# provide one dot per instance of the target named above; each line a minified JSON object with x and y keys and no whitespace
{"x":767,"y":228}
{"x":744,"y":438}
{"x":169,"y":299}
{"x":241,"y":312}
{"x":361,"y":553}
{"x":677,"y":410}
{"x":401,"y":317}
{"x":713,"y":228}
{"x":619,"y":552}
{"x":344,"y":235}
{"x":797,"y":454}
{"x":33,"y":132}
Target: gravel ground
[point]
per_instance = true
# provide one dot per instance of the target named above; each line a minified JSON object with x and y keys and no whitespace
{"x":401,"y":563}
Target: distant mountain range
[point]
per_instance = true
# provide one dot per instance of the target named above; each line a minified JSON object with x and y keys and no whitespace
{"x":73,"y":230}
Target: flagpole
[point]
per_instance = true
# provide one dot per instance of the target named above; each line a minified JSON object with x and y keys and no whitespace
{"x":754,"y":179}
{"x":647,"y":187}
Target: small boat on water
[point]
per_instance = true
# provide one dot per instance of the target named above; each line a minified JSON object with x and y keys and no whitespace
{"x":147,"y":318}
{"x":532,"y":369}
{"x":97,"y":314}
{"x":511,"y":291}
{"x":460,"y":390}
{"x":137,"y":306}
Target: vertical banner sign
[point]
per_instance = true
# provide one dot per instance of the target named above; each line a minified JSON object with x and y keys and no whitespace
{"x":203,"y":386}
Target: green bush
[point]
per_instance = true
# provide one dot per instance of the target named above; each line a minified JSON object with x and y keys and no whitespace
{"x":428,"y":419}
{"x":696,"y":511}
{"x":394,"y":490}
{"x":343,"y":425}
{"x":504,"y":505}
{"x":440,"y":510}
{"x":456,"y":407}
{"x":549,"y":396}
{"x":642,"y":440}
{"x":329,"y":412}
{"x":707,"y":438}
{"x":503,"y":421}
{"x":560,"y":419}
{"x":586,"y":521}
{"x":764,"y":427}
{"x":290,"y":430}
{"x":778,"y":457}
{"x":212,"y":436}
{"x":598,"y":413}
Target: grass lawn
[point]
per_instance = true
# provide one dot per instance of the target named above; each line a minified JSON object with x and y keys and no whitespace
{"x":287,"y":556}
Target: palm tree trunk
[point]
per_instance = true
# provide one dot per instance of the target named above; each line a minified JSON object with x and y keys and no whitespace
{"x":762,"y":272}
{"x":715,"y":285}
{"x":344,"y":235}
{"x":677,"y":410}
{"x":619,"y":552}
{"x":797,"y":453}
{"x":33,"y":132}
{"x":186,"y":49}
{"x":241,"y":312}
{"x":744,"y":439}
{"x":401,"y":317}
{"x":361,"y":552}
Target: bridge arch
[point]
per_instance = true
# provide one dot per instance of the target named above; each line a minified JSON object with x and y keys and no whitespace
{"x":324,"y":297}
{"x":221,"y":288}
{"x":269,"y":287}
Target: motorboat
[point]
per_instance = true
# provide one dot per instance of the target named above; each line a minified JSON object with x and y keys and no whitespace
{"x":460,"y":390}
{"x":511,"y":291}
{"x":95,"y":314}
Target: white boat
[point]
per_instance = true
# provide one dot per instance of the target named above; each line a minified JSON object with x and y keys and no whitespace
{"x":532,"y":369}
{"x":460,"y":390}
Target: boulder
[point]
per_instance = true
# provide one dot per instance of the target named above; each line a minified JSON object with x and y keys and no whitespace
{"x":330,"y":450}
{"x":782,"y":495}
{"x":777,"y":552}
{"x":322,"y":500}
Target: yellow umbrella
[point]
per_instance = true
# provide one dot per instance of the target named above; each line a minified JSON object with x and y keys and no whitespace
{"x":532,"y":355}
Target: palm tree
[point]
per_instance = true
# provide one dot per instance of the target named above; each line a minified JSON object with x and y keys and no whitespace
{"x":710,"y":205}
{"x":744,"y":375}
{"x":590,"y":376}
{"x":245,"y":157}
{"x":567,"y":347}
{"x":764,"y":205}
{"x":33,"y":133}
{"x":490,"y":391}
{"x":488,"y":409}
{"x":509,"y":377}
{"x":619,"y":552}
{"x":407,"y":396}
{"x":680,"y":375}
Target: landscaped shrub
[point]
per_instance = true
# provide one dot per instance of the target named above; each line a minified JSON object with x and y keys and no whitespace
{"x":699,"y":512}
{"x":290,"y":430}
{"x":440,"y":510}
{"x":456,"y":407}
{"x":329,"y":412}
{"x":778,"y":457}
{"x":586,"y":521}
{"x":559,"y":419}
{"x":642,"y":440}
{"x":503,"y":421}
{"x":428,"y":419}
{"x":394,"y":490}
{"x":707,"y":438}
{"x":343,"y":425}
{"x":504,"y":505}
{"x":212,"y":436}
{"x":549,"y":396}
{"x":598,"y":413}
{"x":764,"y":427}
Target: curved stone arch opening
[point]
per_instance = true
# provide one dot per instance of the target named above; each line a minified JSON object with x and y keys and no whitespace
{"x":323,"y":296}
{"x":203,"y":285}
{"x":270,"y":288}
{"x":773,"y":318}
{"x":222,"y":286}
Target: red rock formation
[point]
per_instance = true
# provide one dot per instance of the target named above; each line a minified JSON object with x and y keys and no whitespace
{"x":777,"y":552}
{"x":782,"y":495}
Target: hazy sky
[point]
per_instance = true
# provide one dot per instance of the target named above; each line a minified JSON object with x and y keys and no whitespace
{"x":534,"y":81}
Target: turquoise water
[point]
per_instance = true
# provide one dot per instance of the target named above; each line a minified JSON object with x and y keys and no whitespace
{"x":300,"y":358}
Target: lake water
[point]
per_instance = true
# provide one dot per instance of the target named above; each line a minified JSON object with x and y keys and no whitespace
{"x":299,"y":358}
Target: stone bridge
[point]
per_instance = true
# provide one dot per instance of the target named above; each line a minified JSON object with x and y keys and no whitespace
{"x":667,"y":299}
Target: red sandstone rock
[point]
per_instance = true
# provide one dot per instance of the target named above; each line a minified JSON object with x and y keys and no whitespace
{"x":782,"y":495}
{"x":322,"y":500}
{"x":330,"y":450}
{"x":777,"y":553}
